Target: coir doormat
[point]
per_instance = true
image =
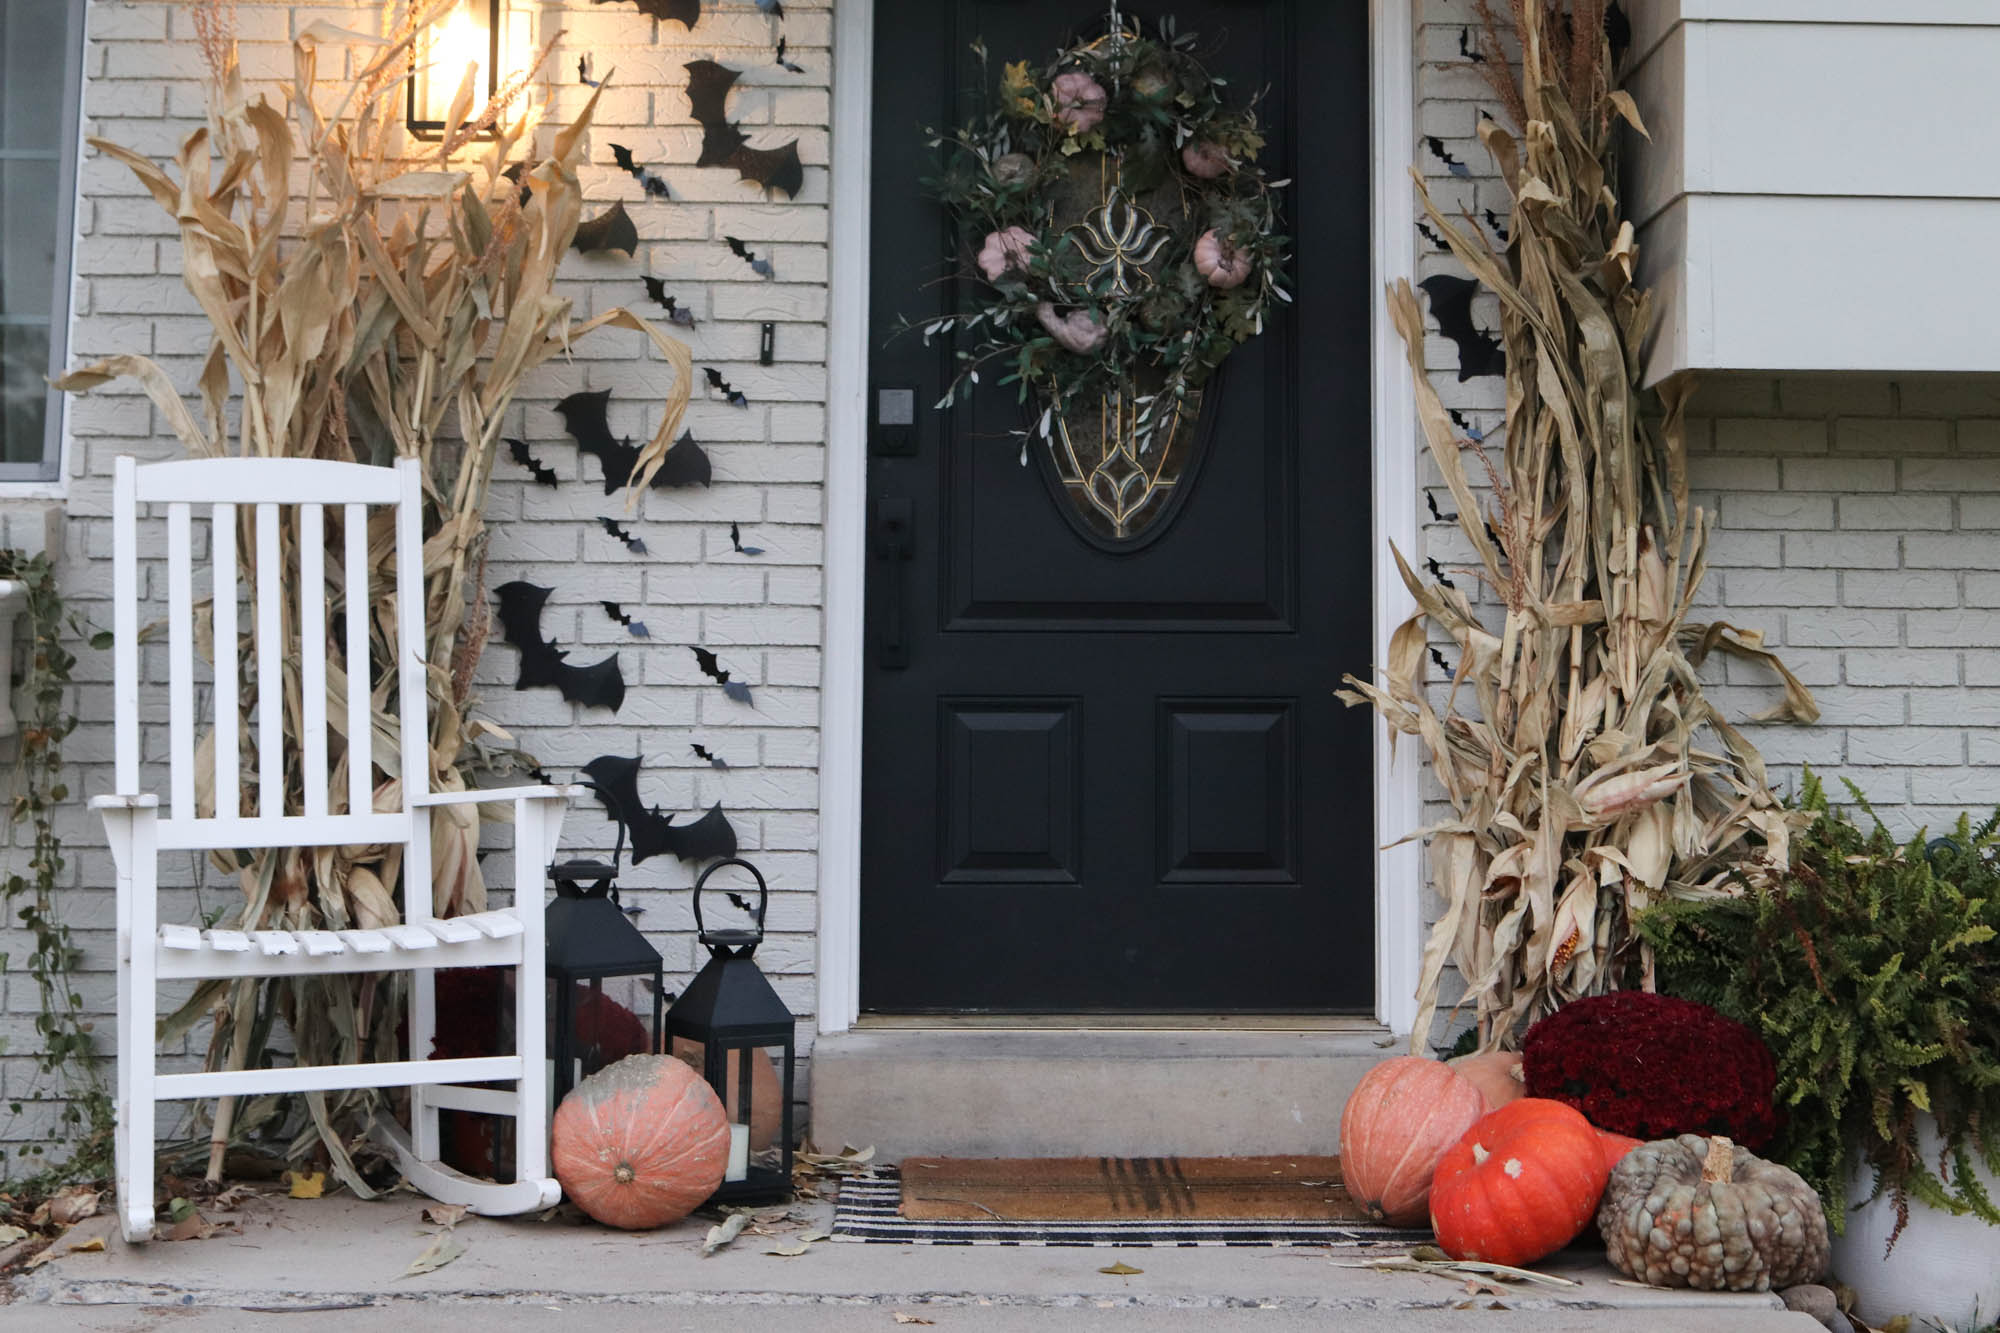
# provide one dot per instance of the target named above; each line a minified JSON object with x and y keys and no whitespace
{"x":1108,"y":1201}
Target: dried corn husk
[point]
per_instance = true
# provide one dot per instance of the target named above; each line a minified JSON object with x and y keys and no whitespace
{"x":1586,"y":771}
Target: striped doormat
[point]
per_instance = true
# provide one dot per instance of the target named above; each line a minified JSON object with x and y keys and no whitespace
{"x":1108,"y":1201}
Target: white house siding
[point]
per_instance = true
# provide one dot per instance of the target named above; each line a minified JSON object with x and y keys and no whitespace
{"x":1860,"y":516}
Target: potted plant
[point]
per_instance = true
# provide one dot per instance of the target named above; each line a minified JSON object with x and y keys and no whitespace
{"x":1870,"y":970}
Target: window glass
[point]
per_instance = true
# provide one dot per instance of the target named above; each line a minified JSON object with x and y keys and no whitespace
{"x":35,"y":89}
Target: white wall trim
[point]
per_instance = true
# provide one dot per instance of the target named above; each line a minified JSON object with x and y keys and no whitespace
{"x":846,"y":519}
{"x":1398,"y":806}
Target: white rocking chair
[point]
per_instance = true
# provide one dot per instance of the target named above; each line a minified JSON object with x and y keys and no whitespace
{"x":139,"y":832}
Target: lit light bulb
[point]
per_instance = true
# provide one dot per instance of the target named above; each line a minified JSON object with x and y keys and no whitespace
{"x":461,"y":42}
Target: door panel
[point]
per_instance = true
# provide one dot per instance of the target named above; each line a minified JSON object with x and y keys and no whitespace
{"x":1118,"y":780}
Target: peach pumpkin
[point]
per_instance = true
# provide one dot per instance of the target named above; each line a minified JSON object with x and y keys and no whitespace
{"x":640,"y":1143}
{"x":1396,"y":1125}
{"x":1495,"y":1073}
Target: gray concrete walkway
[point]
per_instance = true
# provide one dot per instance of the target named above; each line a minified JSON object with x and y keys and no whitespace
{"x":333,"y":1265}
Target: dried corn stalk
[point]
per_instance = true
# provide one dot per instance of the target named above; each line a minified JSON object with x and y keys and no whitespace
{"x":1587,"y":771}
{"x":393,"y":312}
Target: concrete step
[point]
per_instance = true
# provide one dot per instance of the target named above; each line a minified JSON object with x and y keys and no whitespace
{"x":1086,"y":1093}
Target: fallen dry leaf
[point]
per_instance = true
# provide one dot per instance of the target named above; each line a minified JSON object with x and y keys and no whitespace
{"x":308,"y":1184}
{"x":792,"y":1251}
{"x":719,"y":1235}
{"x":902,"y":1318}
{"x":196,"y":1227}
{"x":446,"y":1214}
{"x":10,"y":1234}
{"x":1122,"y":1269}
{"x":94,"y":1245}
{"x":444,"y":1247}
{"x":72,"y":1206}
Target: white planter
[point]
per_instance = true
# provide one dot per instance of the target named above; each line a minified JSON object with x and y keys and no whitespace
{"x":1942,"y":1266}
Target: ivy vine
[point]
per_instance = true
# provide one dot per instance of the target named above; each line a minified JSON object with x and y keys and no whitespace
{"x":68,"y":1058}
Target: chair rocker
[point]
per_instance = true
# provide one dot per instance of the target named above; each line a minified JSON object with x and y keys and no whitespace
{"x":230,"y":491}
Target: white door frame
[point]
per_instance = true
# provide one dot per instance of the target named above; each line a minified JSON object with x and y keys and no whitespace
{"x":1398,"y":806}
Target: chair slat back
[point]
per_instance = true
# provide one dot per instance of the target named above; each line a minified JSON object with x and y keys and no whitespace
{"x":283,"y":498}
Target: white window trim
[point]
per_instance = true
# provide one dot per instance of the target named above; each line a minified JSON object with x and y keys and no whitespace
{"x":44,"y":480}
{"x":1398,"y":804}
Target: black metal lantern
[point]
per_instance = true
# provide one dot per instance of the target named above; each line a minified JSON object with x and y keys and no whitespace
{"x":740,"y":1024}
{"x":589,"y":940}
{"x":471,"y":34}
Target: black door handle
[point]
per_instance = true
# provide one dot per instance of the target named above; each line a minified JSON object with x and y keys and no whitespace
{"x":892,"y":544}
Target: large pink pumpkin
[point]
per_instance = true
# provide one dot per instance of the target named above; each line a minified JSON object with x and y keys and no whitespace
{"x":1396,"y":1125}
{"x":640,"y":1143}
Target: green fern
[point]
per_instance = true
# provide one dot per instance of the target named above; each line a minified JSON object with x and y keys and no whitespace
{"x":1872,"y":974}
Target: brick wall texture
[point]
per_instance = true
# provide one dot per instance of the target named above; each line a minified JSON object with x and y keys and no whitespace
{"x":1859,"y":517}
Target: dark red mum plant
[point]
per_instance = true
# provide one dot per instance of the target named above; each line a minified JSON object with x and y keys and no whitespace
{"x":1653,"y":1066}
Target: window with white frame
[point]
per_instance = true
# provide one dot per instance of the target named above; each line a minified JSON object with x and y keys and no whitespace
{"x":41,"y":68}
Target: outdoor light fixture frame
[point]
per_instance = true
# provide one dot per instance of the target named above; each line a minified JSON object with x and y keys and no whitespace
{"x":431,"y":130}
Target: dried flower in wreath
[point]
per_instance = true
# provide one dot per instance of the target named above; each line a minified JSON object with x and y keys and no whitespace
{"x":1135,"y":293}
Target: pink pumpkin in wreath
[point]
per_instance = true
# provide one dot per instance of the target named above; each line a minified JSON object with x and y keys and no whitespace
{"x":1223,"y":265}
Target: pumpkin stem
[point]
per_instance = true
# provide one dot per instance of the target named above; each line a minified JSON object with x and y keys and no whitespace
{"x":1721,"y":1160}
{"x":1479,"y":1154}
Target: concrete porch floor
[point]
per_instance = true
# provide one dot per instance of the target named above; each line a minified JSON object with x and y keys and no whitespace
{"x":333,"y":1265}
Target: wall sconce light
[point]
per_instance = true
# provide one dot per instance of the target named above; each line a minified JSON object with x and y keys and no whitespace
{"x":474,"y":34}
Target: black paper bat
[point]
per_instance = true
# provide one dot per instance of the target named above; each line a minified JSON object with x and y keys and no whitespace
{"x":686,"y":464}
{"x":655,"y":187}
{"x":649,"y":833}
{"x":761,"y":267}
{"x":736,"y":540}
{"x":633,"y":542}
{"x":1472,"y":432}
{"x":1437,"y":572}
{"x":609,"y":230}
{"x":1438,"y":657}
{"x":775,"y":8}
{"x":541,"y":775}
{"x":636,"y":628}
{"x":1465,"y":47}
{"x":724,"y":145}
{"x":599,"y":685}
{"x":657,"y":289}
{"x":542,"y":471}
{"x":783,"y":63}
{"x":1451,"y":164}
{"x":735,"y":689}
{"x":1618,"y":28}
{"x":1423,"y":230}
{"x":518,"y":173}
{"x":725,"y":388}
{"x":687,"y":11}
{"x":583,"y":72}
{"x":1479,"y":352}
{"x":715,"y":760}
{"x":1432,"y":501}
{"x":583,"y":417}
{"x":1499,"y":228}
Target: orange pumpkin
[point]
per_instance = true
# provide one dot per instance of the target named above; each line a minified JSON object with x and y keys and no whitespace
{"x":1615,"y":1147}
{"x":640,"y":1143}
{"x":1396,"y":1124}
{"x":1521,"y":1184}
{"x":1495,"y":1073}
{"x":766,"y":1095}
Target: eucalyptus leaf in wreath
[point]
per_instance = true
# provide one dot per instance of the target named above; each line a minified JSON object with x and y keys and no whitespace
{"x":1120,"y":242}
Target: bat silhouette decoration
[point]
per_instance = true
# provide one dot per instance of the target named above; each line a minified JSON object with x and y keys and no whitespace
{"x":543,"y":473}
{"x":785,"y":64}
{"x":636,"y":628}
{"x":583,"y":72}
{"x":1499,"y":228}
{"x":1465,"y":47}
{"x":656,"y":288}
{"x":761,"y":267}
{"x":1438,"y":657}
{"x":775,"y":8}
{"x":1472,"y":432}
{"x":714,"y":760}
{"x":686,"y":464}
{"x":725,"y":145}
{"x":725,"y":388}
{"x":655,"y":186}
{"x":735,"y":689}
{"x":1451,"y":164}
{"x":599,"y":685}
{"x":1479,"y":352}
{"x":1437,"y":572}
{"x":648,"y":832}
{"x":610,"y":230}
{"x":1436,"y":515}
{"x":686,"y":12}
{"x":518,"y":174}
{"x":1423,"y":230}
{"x":736,"y":540}
{"x":633,"y":542}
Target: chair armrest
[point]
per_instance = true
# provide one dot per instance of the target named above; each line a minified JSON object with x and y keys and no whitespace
{"x":146,"y":801}
{"x":494,"y":795}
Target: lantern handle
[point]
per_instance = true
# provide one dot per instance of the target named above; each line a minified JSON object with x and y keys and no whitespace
{"x":753,"y":938}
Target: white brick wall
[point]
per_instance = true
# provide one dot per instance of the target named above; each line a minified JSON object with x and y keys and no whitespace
{"x":761,"y":615}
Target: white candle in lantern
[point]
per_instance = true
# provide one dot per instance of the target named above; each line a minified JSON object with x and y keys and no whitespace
{"x":739,"y":1153}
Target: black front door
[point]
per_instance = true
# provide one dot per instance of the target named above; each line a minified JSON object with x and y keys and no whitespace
{"x":1097,"y":778}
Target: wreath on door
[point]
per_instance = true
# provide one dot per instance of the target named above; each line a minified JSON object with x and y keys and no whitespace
{"x":1116,"y":231}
